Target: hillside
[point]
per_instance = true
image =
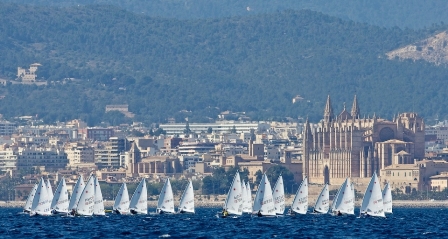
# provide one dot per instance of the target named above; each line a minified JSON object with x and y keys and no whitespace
{"x":433,"y":49}
{"x":402,"y":13}
{"x":254,"y":64}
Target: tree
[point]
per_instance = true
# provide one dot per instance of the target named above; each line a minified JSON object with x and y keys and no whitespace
{"x":209,"y":130}
{"x":258,"y":177}
{"x":288,"y":178}
{"x":187,"y":128}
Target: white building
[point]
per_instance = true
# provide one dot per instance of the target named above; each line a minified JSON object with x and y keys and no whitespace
{"x":7,"y":128}
{"x":8,"y":160}
{"x":50,"y":159}
{"x":218,"y":127}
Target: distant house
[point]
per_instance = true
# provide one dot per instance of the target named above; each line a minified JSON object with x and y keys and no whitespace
{"x":120,"y":108}
{"x":28,"y":75}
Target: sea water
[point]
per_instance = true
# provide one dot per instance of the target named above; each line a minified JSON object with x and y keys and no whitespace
{"x":403,"y":223}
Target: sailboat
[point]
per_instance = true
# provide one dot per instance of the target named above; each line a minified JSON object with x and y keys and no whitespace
{"x":121,"y":204}
{"x":76,"y":193}
{"x":322,"y":205}
{"x":41,"y":201}
{"x":29,"y":200}
{"x":300,"y":202}
{"x":249,"y":199}
{"x":279,"y":196}
{"x":166,"y":199}
{"x":247,"y":207}
{"x":264,"y":202}
{"x":353,"y":193}
{"x":234,"y":201}
{"x":49,"y":190}
{"x":87,"y":199}
{"x":60,"y":201}
{"x":139,"y":200}
{"x":387,"y":199}
{"x":187,"y":200}
{"x":372,"y":203}
{"x":98,"y":205}
{"x":344,"y":203}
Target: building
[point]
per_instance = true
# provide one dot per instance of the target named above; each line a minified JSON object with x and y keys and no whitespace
{"x":219,"y":127}
{"x":124,"y":109}
{"x":28,"y":75}
{"x":350,"y":146}
{"x":78,"y":154}
{"x":8,"y":160}
{"x":109,"y":155}
{"x":97,"y":134}
{"x":7,"y":128}
{"x":49,"y":159}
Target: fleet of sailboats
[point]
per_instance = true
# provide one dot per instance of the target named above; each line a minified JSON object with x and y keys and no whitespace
{"x":87,"y":199}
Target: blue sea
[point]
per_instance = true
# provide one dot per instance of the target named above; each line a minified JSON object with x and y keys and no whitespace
{"x":403,"y":223}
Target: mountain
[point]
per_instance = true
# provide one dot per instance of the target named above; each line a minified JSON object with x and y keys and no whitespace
{"x":197,"y":68}
{"x":402,"y":13}
{"x":433,"y":49}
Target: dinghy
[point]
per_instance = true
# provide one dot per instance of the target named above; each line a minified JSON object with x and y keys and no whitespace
{"x":264,"y":202}
{"x":49,"y":190}
{"x":60,"y":201}
{"x":187,"y":199}
{"x":343,"y":202}
{"x":279,"y":196}
{"x":372,"y":203}
{"x":76,"y":193}
{"x":121,"y":204}
{"x":247,"y":204}
{"x":166,"y":199}
{"x":300,"y":202}
{"x":322,"y":203}
{"x":139,"y":200}
{"x":249,"y":199}
{"x":87,"y":199}
{"x":29,"y":200}
{"x":41,"y":201}
{"x":234,"y":201}
{"x":98,"y":205}
{"x":387,"y":199}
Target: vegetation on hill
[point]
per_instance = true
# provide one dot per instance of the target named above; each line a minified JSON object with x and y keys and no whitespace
{"x":402,"y":13}
{"x":197,"y":68}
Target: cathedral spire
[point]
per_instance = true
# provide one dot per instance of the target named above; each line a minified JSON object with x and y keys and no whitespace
{"x":328,"y":113}
{"x":355,"y":109}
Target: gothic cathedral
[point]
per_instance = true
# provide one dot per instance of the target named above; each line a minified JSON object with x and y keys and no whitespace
{"x":351,"y":146}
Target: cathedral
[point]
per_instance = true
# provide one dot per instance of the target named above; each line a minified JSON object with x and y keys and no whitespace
{"x":347,"y":145}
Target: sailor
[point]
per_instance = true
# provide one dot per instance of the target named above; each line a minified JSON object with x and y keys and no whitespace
{"x":225,"y":213}
{"x":259,"y":213}
{"x":339,"y":213}
{"x":73,"y":212}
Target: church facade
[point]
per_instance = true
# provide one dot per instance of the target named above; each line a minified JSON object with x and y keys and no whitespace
{"x":347,"y":145}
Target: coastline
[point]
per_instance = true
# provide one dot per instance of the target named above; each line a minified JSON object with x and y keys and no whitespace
{"x":218,"y":204}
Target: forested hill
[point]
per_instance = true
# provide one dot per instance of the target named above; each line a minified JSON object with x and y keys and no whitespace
{"x":401,"y":13}
{"x":254,"y":64}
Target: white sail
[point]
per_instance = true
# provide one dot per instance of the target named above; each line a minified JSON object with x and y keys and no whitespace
{"x":41,"y":202}
{"x":387,"y":199}
{"x":322,"y":203}
{"x":279,"y":196}
{"x":29,"y":200}
{"x":49,"y":189}
{"x":300,"y":202}
{"x":353,"y":193}
{"x":98,"y":205}
{"x":139,"y":200}
{"x":234,"y":200}
{"x":121,"y":204}
{"x":60,"y":201}
{"x":247,"y":207}
{"x":166,"y":198}
{"x":264,"y":202}
{"x":76,"y":193}
{"x":187,"y":200}
{"x":372,"y":203}
{"x":343,"y":202}
{"x":249,"y":199}
{"x":87,"y":199}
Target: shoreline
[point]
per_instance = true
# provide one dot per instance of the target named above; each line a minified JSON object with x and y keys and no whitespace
{"x":219,"y":204}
